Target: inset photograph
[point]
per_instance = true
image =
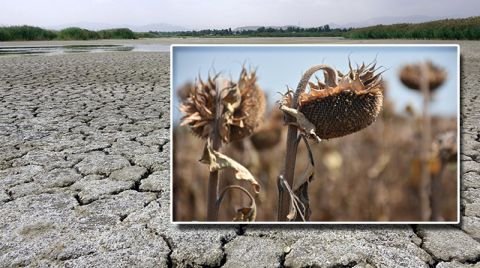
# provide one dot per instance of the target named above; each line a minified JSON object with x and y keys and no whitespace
{"x":328,"y":134}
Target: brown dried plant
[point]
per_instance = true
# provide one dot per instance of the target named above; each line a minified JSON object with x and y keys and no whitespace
{"x":343,"y":104}
{"x":338,"y":106}
{"x":256,"y":153}
{"x":444,"y":151}
{"x":243,"y":105}
{"x":410,"y":75}
{"x":425,"y":78}
{"x":221,"y":110}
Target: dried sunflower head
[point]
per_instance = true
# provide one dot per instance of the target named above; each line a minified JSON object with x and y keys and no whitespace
{"x":410,"y":75}
{"x":237,"y":107}
{"x":251,"y":109}
{"x":446,"y":146}
{"x":184,"y":91}
{"x":341,"y":104}
{"x":198,"y":105}
{"x":270,"y":133}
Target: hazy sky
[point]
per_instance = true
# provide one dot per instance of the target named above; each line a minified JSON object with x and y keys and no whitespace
{"x":220,"y":14}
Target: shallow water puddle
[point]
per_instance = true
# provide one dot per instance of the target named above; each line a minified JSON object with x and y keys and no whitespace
{"x":54,"y":50}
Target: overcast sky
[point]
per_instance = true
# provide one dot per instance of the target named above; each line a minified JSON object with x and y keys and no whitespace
{"x":221,"y":14}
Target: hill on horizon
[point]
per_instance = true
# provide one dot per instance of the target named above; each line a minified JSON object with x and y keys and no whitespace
{"x":93,"y":26}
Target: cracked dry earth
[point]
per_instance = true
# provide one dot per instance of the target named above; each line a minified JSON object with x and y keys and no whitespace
{"x":84,"y":180}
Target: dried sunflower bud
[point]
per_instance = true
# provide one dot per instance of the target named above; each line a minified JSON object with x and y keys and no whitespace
{"x":410,"y":75}
{"x":270,"y":133}
{"x":242,"y":106}
{"x":341,"y":104}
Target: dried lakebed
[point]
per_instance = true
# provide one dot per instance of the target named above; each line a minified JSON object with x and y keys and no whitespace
{"x":84,"y":180}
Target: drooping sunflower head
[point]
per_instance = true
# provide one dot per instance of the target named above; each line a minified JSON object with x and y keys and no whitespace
{"x":341,"y":104}
{"x":237,"y":107}
{"x":411,"y":76}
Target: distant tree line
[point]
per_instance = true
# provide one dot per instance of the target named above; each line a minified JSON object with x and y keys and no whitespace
{"x":452,"y":29}
{"x":290,"y":31}
{"x":468,"y":28}
{"x":25,"y":33}
{"x":28,"y":33}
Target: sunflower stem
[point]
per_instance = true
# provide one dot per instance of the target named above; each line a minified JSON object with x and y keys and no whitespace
{"x":289,"y":172}
{"x":212,"y":209}
{"x":436,"y":196}
{"x":425,"y":191}
{"x":291,"y":153}
{"x":213,"y":187}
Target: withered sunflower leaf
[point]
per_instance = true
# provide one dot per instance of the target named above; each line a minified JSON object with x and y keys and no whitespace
{"x":301,"y":121}
{"x":306,"y":176}
{"x":218,"y":161}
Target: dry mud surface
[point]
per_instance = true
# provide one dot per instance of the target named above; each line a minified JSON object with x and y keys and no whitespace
{"x":84,"y":180}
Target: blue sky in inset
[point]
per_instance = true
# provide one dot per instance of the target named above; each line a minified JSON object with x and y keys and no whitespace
{"x":279,"y":66}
